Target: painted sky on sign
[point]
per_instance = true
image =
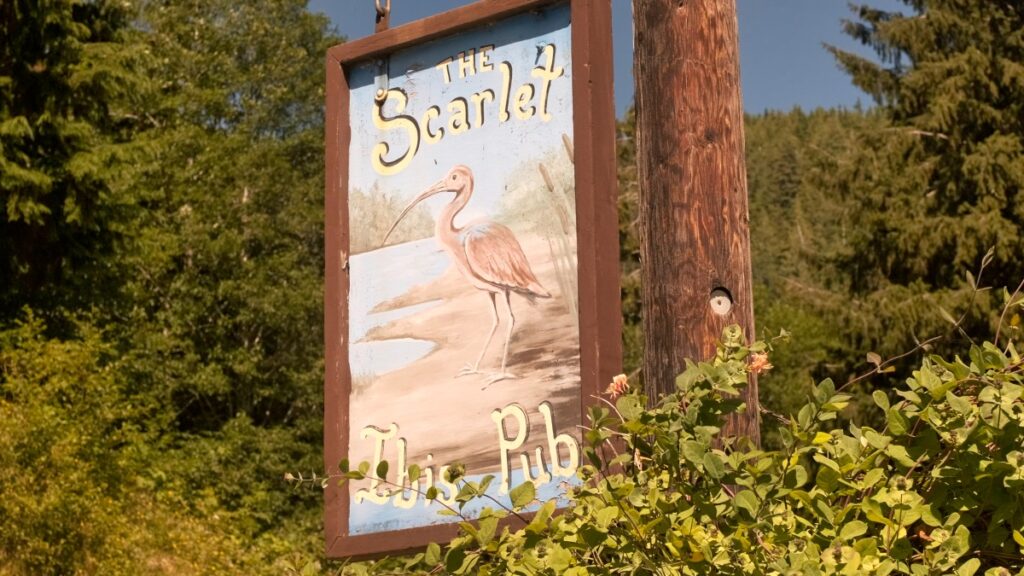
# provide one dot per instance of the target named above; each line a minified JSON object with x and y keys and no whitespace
{"x":494,"y":151}
{"x":782,"y":61}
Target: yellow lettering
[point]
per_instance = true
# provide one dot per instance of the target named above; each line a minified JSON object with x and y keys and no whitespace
{"x":506,"y":90}
{"x":399,"y":122}
{"x":571,"y":447}
{"x":458,"y":122}
{"x":447,"y":491}
{"x":467,"y":63}
{"x":372,"y":493}
{"x":485,"y":58}
{"x":403,"y":473}
{"x":428,"y":136}
{"x":429,"y":472}
{"x":547,"y":73}
{"x":542,"y":476}
{"x":523,"y":96}
{"x":478,"y":100}
{"x":443,"y":67}
{"x":507,"y":444}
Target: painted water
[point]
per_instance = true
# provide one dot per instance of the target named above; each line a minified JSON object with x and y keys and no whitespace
{"x":368,"y":518}
{"x":388,"y":273}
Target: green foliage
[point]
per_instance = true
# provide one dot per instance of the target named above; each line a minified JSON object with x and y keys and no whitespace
{"x":629,"y":245}
{"x":940,"y":186}
{"x":797,"y":228}
{"x":161,"y":185}
{"x":59,"y":433}
{"x":161,"y":167}
{"x":73,"y":87}
{"x":934,"y":491}
{"x":78,"y":493}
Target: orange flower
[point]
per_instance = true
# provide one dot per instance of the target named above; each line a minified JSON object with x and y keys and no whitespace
{"x":759,"y":363}
{"x":618,"y":387}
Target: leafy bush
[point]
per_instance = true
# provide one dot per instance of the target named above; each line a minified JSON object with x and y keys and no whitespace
{"x":936,"y":491}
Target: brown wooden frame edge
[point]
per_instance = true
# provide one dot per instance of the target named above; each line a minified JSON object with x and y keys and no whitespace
{"x":597,"y":234}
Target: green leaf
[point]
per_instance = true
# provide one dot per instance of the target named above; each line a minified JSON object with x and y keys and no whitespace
{"x":898,"y":423}
{"x":433,"y":554}
{"x":523,"y":495}
{"x":487,"y":527}
{"x":693,"y":451}
{"x":540,"y":519}
{"x":852,"y":529}
{"x":960,"y":542}
{"x":432,"y":493}
{"x":714,"y":465}
{"x":803,"y":417}
{"x":876,"y":440}
{"x":605,"y":516}
{"x":453,"y":559}
{"x":959,"y":404}
{"x":486,"y":482}
{"x":382,"y":469}
{"x":629,"y":406}
{"x":881,"y":400}
{"x":969,"y":568}
{"x":900,"y":454}
{"x":872,"y":477}
{"x":827,"y":479}
{"x":795,"y":477}
{"x":747,"y":500}
{"x":558,"y":559}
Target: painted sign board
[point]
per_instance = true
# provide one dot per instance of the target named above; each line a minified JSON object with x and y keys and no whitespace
{"x":472,"y":297}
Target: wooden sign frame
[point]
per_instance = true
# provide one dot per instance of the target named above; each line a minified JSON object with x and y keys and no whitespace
{"x":597,"y":232}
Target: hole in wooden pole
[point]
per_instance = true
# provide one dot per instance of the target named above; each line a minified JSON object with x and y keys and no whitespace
{"x":720,"y":301}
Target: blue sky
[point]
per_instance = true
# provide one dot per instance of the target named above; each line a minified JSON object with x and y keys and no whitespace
{"x":782,"y":61}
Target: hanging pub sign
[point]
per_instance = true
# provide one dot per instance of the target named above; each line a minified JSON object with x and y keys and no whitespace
{"x":472,"y":295}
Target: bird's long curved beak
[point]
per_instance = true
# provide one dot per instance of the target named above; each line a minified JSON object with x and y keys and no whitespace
{"x":439,"y":186}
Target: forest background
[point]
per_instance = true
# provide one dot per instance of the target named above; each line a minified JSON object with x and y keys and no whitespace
{"x":161,"y":258}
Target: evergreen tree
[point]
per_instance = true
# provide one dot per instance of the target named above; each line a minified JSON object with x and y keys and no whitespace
{"x":173,"y":164}
{"x":934,"y":191}
{"x":72,"y":91}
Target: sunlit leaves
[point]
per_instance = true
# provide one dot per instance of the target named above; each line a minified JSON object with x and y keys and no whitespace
{"x":930,"y":493}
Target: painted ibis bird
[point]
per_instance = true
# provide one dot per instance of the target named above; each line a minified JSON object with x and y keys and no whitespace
{"x":487,"y":255}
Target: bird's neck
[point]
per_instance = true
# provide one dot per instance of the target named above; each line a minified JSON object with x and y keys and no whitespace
{"x":445,"y":227}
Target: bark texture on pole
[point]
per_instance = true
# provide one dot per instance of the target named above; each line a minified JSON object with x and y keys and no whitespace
{"x":695,"y":244}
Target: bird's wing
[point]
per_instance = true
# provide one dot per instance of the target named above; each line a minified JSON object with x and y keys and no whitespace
{"x":496,"y":257}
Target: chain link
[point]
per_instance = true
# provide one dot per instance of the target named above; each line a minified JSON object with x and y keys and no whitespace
{"x":383,"y":10}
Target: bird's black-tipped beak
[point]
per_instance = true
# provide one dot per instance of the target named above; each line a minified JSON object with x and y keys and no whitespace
{"x":438,"y":187}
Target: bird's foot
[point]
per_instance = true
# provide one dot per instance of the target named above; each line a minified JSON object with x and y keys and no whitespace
{"x":467,"y":370}
{"x":498,"y":377}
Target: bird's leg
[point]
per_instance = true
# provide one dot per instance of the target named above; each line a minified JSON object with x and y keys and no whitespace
{"x":475,"y":369}
{"x":502,"y":375}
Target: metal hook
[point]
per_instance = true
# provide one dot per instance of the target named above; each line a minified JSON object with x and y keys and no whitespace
{"x":383,"y":14}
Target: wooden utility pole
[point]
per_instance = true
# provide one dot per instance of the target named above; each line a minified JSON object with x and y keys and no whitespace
{"x":695,"y":244}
